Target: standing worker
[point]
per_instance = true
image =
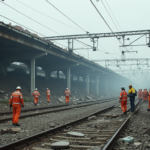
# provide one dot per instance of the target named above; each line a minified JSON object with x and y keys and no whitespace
{"x":146,"y":95}
{"x":48,"y":94}
{"x":16,"y":101}
{"x":123,"y":100}
{"x":131,"y":95}
{"x":67,"y":95}
{"x":36,"y":96}
{"x":139,"y":93}
{"x":149,"y":101}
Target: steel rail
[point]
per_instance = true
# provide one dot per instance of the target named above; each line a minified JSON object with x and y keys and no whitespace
{"x":50,"y":111}
{"x":54,"y":106}
{"x":112,"y":141}
{"x":37,"y":137}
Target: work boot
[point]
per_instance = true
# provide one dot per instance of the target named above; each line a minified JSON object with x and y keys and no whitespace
{"x":16,"y":124}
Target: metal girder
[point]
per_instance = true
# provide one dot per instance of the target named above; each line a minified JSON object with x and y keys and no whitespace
{"x":122,"y":62}
{"x":99,"y":35}
{"x":137,"y":70}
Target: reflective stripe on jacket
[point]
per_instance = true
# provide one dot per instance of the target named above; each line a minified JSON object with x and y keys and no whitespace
{"x":67,"y":93}
{"x":48,"y":93}
{"x":16,"y":98}
{"x":123,"y":95}
{"x":36,"y":94}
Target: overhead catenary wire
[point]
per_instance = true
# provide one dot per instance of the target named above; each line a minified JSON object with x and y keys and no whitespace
{"x":30,"y":18}
{"x":41,"y":24}
{"x":48,"y":16}
{"x":103,"y":19}
{"x":109,"y":15}
{"x":113,"y":14}
{"x":65,"y":15}
{"x":29,"y":29}
{"x":71,"y":21}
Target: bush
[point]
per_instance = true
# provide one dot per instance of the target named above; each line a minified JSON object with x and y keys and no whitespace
{"x":27,"y":100}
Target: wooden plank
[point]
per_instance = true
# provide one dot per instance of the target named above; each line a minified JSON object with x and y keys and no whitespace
{"x":80,"y":147}
{"x":72,"y":138}
{"x":36,"y":148}
{"x":80,"y":142}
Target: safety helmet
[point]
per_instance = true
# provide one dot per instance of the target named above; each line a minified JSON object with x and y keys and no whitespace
{"x":47,"y":88}
{"x":18,"y":88}
{"x":66,"y":88}
{"x":130,"y":85}
{"x":36,"y":89}
{"x":122,"y":87}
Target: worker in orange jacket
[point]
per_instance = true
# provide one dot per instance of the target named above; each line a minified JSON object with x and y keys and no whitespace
{"x":48,"y":94}
{"x":36,"y":96}
{"x":139,"y":94}
{"x":123,"y":100}
{"x":146,"y":94}
{"x":149,"y":100}
{"x":16,"y":101}
{"x":141,"y":97}
{"x":67,"y":95}
{"x":143,"y":94}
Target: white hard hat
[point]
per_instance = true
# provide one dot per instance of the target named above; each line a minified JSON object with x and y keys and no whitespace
{"x":66,"y":88}
{"x":36,"y":89}
{"x":122,"y":87}
{"x":18,"y":88}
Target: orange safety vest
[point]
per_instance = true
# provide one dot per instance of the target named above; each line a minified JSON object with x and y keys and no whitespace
{"x":48,"y":93}
{"x":67,"y":93}
{"x":123,"y":96}
{"x":16,"y":98}
{"x":36,"y":94}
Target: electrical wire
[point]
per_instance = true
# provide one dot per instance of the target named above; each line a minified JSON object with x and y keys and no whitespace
{"x":47,"y":15}
{"x":109,"y":15}
{"x":103,"y":19}
{"x":28,"y":28}
{"x":66,"y":16}
{"x":30,"y":18}
{"x":40,"y":23}
{"x":71,"y":21}
{"x":113,"y":14}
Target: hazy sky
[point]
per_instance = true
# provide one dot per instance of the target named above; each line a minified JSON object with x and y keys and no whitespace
{"x":130,"y":14}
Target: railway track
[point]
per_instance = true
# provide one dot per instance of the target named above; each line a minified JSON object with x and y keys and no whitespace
{"x":39,"y":111}
{"x":87,"y":103}
{"x":99,"y":129}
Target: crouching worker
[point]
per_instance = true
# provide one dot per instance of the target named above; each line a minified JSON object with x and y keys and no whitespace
{"x":123,"y":100}
{"x":16,"y":101}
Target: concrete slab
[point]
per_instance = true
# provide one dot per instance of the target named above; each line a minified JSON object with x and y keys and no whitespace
{"x":15,"y":130}
{"x":4,"y":131}
{"x":60,"y":145}
{"x":76,"y":134}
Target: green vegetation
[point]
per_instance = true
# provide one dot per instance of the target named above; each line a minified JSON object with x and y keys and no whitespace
{"x":7,"y":101}
{"x":28,"y":100}
{"x":4,"y":102}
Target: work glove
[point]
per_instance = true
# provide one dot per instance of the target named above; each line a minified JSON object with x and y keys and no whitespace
{"x":22,"y":105}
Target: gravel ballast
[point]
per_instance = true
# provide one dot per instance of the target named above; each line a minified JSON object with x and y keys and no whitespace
{"x":33,"y":125}
{"x":138,"y":128}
